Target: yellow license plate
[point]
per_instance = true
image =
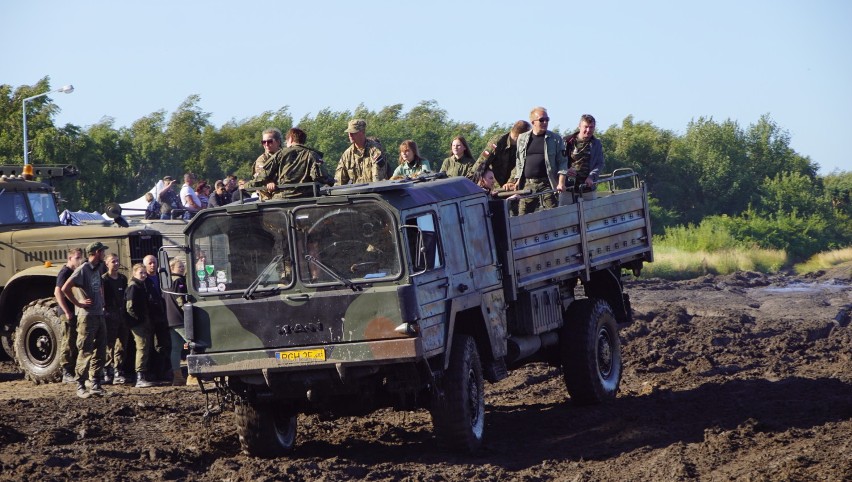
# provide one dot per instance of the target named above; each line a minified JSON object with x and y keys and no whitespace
{"x":314,"y":354}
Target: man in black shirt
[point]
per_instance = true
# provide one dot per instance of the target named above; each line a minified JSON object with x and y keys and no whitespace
{"x":541,"y":164}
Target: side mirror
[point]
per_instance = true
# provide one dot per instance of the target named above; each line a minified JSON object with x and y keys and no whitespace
{"x":165,"y":275}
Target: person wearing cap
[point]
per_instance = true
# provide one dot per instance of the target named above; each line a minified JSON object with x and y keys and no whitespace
{"x":364,"y":160}
{"x":91,"y":324}
{"x":168,"y":198}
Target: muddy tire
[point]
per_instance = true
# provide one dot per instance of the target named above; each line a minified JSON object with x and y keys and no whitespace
{"x":591,"y":352}
{"x":458,"y":411}
{"x":265,"y":430}
{"x":38,"y":341}
{"x":7,"y":343}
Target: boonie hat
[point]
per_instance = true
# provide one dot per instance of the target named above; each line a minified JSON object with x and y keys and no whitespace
{"x":356,"y":125}
{"x":93,"y":248}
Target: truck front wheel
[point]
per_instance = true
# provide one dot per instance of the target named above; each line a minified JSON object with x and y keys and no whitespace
{"x":38,"y":340}
{"x":264,"y":429}
{"x":458,"y":412}
{"x":590,"y":352}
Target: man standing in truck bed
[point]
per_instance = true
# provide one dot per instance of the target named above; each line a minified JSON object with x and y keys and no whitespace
{"x":500,"y":152}
{"x":296,"y":164}
{"x":541,"y":164}
{"x":364,"y":161}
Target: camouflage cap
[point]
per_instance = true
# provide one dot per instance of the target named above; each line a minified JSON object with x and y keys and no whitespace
{"x":356,"y":125}
{"x":93,"y":248}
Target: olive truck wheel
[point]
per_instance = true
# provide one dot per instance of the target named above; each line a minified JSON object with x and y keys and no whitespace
{"x":458,"y":416}
{"x":264,"y":429}
{"x":38,"y":341}
{"x":7,"y":344}
{"x":591,"y":352}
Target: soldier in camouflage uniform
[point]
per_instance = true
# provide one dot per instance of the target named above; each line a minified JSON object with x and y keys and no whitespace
{"x":586,"y":154}
{"x":272,"y":141}
{"x":461,"y":163}
{"x":295,"y":164}
{"x":540,"y":164}
{"x":500,"y":152}
{"x":364,"y":160}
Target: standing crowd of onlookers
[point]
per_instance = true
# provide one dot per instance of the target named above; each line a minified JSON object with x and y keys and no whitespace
{"x":102,"y":310}
{"x":193,"y":196}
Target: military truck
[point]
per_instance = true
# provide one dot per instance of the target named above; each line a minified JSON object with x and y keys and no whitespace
{"x":406,"y":294}
{"x":33,"y":248}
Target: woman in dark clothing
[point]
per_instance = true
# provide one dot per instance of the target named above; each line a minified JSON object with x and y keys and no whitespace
{"x":174,"y":316}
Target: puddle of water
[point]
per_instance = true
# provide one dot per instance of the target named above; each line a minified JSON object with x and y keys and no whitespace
{"x":830,"y":286}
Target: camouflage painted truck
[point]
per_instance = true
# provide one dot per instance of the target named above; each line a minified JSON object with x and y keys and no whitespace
{"x":405,"y":294}
{"x":33,"y":248}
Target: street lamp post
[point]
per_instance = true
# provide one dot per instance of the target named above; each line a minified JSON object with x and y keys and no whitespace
{"x":67,"y":89}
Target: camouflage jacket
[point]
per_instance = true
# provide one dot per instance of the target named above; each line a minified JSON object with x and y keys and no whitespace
{"x":296,"y":164}
{"x":362,"y":165}
{"x":500,"y":155}
{"x":588,"y":160}
{"x":555,"y":161}
{"x":458,"y":167}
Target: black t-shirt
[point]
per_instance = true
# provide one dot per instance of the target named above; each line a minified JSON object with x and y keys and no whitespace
{"x":61,"y":278}
{"x":534,"y":165}
{"x":114,"y":292}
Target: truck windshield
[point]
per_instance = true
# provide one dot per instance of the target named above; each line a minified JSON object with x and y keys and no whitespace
{"x":358,"y":242}
{"x":231,"y":252}
{"x":27,"y":208}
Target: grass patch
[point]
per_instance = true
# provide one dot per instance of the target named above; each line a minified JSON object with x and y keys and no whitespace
{"x":824,"y":260}
{"x":677,"y":264}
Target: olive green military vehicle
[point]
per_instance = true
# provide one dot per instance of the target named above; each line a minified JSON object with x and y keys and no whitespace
{"x":33,"y":248}
{"x":406,"y":294}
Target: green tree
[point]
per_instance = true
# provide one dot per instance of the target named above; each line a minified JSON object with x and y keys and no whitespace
{"x":792,"y":192}
{"x":184,"y":137}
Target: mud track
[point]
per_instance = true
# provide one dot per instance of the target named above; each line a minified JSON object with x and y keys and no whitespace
{"x":742,"y":377}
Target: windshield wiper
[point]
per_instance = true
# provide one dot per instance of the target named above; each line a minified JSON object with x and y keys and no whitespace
{"x":333,"y":273}
{"x":263,"y":274}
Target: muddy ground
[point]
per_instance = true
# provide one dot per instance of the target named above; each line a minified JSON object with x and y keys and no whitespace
{"x":741,"y":377}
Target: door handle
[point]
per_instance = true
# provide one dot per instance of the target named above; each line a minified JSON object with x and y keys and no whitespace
{"x":299,"y":297}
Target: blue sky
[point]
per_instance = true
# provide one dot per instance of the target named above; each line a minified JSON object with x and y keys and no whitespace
{"x":665,"y":62}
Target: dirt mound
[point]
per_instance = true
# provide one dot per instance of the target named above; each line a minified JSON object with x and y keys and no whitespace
{"x":744,"y":376}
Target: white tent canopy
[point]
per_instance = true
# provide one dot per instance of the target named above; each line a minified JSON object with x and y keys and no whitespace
{"x":136,"y":208}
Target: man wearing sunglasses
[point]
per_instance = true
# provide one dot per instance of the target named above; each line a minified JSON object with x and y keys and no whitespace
{"x":541,"y":164}
{"x":272,"y":140}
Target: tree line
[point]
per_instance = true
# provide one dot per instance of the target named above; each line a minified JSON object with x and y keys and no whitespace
{"x":747,"y":180}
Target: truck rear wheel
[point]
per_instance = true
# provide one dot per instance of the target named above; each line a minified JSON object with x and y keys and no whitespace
{"x":8,"y":346}
{"x":265,"y":430}
{"x":590,"y":352}
{"x":38,"y":340}
{"x":458,"y":415}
